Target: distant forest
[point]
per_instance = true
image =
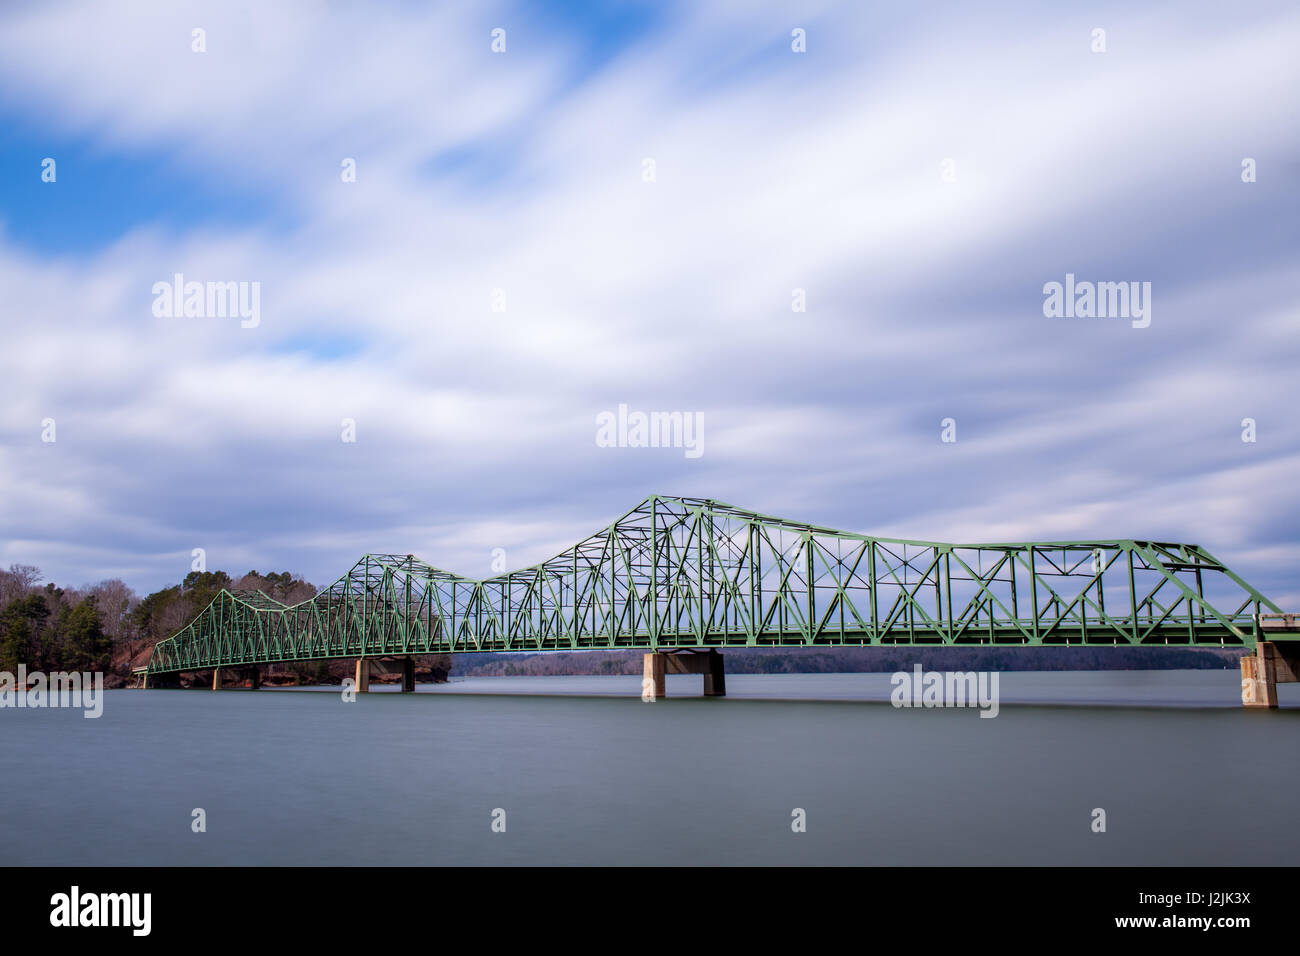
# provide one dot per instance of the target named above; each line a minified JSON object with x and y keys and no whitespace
{"x":108,"y":627}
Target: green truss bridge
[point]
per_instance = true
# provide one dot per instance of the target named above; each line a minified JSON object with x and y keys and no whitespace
{"x":677,"y":574}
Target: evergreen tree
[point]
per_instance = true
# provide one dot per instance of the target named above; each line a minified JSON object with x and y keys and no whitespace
{"x":22,"y":625}
{"x":87,"y":647}
{"x":15,"y":639}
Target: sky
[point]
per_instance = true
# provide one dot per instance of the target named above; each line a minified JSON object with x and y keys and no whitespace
{"x":625,"y":206}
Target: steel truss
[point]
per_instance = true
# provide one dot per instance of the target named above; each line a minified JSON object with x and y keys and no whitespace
{"x":692,"y":572}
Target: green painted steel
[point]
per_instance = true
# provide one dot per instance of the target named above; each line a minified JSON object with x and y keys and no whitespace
{"x":691,"y":572}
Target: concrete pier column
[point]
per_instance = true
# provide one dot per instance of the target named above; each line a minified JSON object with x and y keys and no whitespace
{"x":715,"y":678}
{"x":653,"y":683}
{"x":255,"y":677}
{"x":709,"y":663}
{"x":216,"y":678}
{"x":1271,"y":664}
{"x":1256,"y":689}
{"x":363,"y":675}
{"x":408,"y":675}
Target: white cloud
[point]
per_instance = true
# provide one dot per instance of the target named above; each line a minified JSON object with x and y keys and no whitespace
{"x":476,"y":428}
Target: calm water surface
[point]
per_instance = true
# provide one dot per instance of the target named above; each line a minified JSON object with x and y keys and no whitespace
{"x":587,"y":773}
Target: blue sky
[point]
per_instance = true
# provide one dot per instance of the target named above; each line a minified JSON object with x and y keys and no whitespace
{"x":522,"y":172}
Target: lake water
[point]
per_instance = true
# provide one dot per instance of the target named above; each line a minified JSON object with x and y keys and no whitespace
{"x":587,"y":773}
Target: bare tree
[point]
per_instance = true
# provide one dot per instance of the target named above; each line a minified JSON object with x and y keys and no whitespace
{"x":115,"y":600}
{"x":17,"y":581}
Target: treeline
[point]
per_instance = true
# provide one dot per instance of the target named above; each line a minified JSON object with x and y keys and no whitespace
{"x":855,"y":660}
{"x":52,"y":628}
{"x":107,"y":626}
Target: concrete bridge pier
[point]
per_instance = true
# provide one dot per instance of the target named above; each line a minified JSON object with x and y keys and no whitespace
{"x":657,"y":666}
{"x":1272,"y":663}
{"x":252,"y":674}
{"x":404,"y":666}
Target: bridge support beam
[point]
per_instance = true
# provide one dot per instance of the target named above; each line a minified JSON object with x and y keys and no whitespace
{"x":252,"y":674}
{"x":1271,"y":664}
{"x":368,"y":667}
{"x":653,"y":685}
{"x":715,"y":678}
{"x":658,"y":665}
